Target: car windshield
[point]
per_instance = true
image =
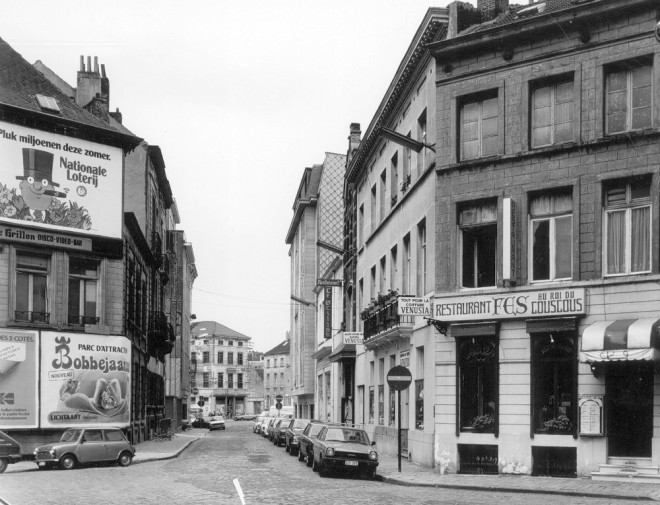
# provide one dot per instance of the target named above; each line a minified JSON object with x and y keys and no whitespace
{"x":70,"y":436}
{"x":344,"y":435}
{"x":299,"y":424}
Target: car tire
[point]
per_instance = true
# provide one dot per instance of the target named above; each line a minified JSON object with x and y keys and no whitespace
{"x":287,"y":448}
{"x":125,"y":459}
{"x":68,"y":462}
{"x":315,"y":465}
{"x":310,"y":458}
{"x":371,"y":473}
{"x":3,"y":464}
{"x":301,"y":455}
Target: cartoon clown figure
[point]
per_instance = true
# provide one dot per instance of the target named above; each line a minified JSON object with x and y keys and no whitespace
{"x":37,"y":188}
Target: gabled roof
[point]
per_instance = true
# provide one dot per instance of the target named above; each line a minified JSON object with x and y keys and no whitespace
{"x":213,"y":329}
{"x":20,"y":82}
{"x":282,"y":348}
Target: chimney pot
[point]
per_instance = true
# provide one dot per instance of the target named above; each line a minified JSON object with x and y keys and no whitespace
{"x":82,"y":63}
{"x":89,"y":64}
{"x":96,"y":63}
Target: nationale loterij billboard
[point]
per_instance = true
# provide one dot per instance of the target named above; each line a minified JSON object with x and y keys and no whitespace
{"x":59,"y":183}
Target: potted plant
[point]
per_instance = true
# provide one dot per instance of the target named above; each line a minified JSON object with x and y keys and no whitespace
{"x":559,"y":424}
{"x":483,"y":423}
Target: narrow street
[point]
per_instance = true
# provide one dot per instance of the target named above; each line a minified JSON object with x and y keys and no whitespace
{"x":205,"y":472}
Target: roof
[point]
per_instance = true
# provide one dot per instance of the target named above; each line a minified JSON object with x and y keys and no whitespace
{"x":213,"y":329}
{"x":307,"y":195}
{"x":282,"y":348}
{"x":20,"y":82}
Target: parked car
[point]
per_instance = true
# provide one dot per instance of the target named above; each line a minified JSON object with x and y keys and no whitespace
{"x":344,"y":448}
{"x":264,"y":426}
{"x":292,"y":435}
{"x":306,"y":440}
{"x":217,"y":423}
{"x":269,"y":428}
{"x":10,"y":451}
{"x":279,"y":428}
{"x":245,"y":417}
{"x":256,"y":427}
{"x":202,"y":422}
{"x":85,"y":446}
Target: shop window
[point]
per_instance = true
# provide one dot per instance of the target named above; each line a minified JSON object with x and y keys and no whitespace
{"x":554,"y":383}
{"x":479,"y":127}
{"x":32,"y":287}
{"x":478,"y":369}
{"x":551,"y":237}
{"x":478,"y":230}
{"x":627,"y":226}
{"x":628,"y":97}
{"x":371,"y":405}
{"x":552,"y":113}
{"x":83,"y":290}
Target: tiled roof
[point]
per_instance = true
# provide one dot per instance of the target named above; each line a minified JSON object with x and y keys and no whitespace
{"x":20,"y":82}
{"x":331,"y":208}
{"x":213,"y":329}
{"x":282,"y":348}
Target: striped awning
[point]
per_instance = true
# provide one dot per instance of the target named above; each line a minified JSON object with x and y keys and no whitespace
{"x":621,"y":340}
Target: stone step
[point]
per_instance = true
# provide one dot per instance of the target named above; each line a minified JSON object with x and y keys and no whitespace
{"x":639,"y":478}
{"x":611,"y":469}
{"x":620,"y":460}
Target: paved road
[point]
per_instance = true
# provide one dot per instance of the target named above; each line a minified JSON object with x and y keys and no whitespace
{"x":204,"y":474}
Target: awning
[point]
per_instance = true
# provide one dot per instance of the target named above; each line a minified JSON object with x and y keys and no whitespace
{"x":321,"y":353}
{"x":621,"y":340}
{"x":343,"y":351}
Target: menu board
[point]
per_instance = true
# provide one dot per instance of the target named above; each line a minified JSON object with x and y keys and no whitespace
{"x":591,"y":415}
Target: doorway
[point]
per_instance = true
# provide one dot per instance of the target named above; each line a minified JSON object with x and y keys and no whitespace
{"x":629,"y":392}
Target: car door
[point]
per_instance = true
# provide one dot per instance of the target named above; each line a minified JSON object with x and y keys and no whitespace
{"x":115,"y":443}
{"x":319,"y":444}
{"x":92,"y":447}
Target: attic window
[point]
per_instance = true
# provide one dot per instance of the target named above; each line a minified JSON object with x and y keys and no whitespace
{"x":48,"y":103}
{"x":530,"y":11}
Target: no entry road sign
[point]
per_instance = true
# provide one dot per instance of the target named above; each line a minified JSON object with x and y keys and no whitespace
{"x":399,"y":378}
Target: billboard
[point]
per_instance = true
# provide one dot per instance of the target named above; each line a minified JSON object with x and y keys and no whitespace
{"x":85,"y":380}
{"x":19,"y":351}
{"x":54,"y":182}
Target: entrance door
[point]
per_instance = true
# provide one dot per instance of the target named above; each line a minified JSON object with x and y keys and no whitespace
{"x":629,"y":390}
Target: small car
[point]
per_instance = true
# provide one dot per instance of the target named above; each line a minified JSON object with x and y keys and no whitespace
{"x":292,"y":435}
{"x":269,"y":428}
{"x":344,"y":448}
{"x":279,"y":428}
{"x":306,"y":440}
{"x":86,"y":445}
{"x":264,"y":426}
{"x":10,"y":451}
{"x":202,"y":422}
{"x":256,"y":427}
{"x":217,"y":423}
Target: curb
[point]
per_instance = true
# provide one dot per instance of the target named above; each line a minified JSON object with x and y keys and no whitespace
{"x":166,"y":456}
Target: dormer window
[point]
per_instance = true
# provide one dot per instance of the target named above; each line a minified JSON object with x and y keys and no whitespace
{"x":48,"y":103}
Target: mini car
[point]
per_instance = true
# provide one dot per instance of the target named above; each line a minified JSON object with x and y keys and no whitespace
{"x":84,"y":446}
{"x":292,"y":435}
{"x":344,"y":448}
{"x":217,"y":423}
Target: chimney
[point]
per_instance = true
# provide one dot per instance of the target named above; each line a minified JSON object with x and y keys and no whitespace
{"x":89,"y":82}
{"x":461,"y":16}
{"x":490,"y":9}
{"x":116,"y":116}
{"x":353,"y":140}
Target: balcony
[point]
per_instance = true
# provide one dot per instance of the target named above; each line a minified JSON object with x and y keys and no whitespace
{"x":382,"y":324}
{"x":161,"y":335}
{"x":157,"y":246}
{"x":31,"y":317}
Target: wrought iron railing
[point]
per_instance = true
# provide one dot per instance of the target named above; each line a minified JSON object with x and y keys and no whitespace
{"x":382,"y":318}
{"x":82,"y":320}
{"x":31,"y":316}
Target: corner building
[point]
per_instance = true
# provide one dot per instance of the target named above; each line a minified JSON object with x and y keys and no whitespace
{"x":547,"y":298}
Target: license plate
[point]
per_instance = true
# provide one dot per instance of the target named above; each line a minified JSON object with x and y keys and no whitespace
{"x":351,"y":463}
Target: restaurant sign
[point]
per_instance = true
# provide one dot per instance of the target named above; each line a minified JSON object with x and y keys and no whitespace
{"x":521,"y":305}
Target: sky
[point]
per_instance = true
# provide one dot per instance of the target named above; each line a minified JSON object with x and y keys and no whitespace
{"x":240,"y":96}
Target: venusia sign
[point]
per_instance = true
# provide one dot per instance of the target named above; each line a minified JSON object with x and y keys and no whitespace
{"x":413,"y":306}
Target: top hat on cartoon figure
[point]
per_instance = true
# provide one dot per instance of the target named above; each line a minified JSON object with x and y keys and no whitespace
{"x":37,"y":187}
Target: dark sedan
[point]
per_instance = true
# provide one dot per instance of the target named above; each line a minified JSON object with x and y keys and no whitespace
{"x":292,"y":435}
{"x":344,"y":448}
{"x":279,"y":427}
{"x":306,"y":440}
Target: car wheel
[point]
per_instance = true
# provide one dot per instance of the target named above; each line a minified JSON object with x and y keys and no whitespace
{"x":370,"y":473}
{"x":315,"y":465}
{"x":125,"y":459}
{"x":68,"y":462}
{"x":301,"y":455}
{"x":310,"y":458}
{"x":287,"y":448}
{"x":3,"y":464}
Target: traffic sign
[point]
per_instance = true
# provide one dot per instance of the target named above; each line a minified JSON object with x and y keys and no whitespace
{"x":278,"y":406}
{"x":399,"y":378}
{"x":195,"y":391}
{"x":279,"y":398}
{"x":200,"y":403}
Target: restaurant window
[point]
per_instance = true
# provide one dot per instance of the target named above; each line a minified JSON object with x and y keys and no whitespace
{"x":205,"y":379}
{"x":478,"y":229}
{"x":32,"y":287}
{"x":628,"y":97}
{"x":230,"y":358}
{"x":221,"y":381}
{"x":371,"y":405}
{"x":83,"y":289}
{"x":479,"y":127}
{"x":552,"y":113}
{"x":551,"y":236}
{"x":205,"y":357}
{"x":628,"y":226}
{"x":220,"y":357}
{"x":478,"y":379}
{"x":554,"y":382}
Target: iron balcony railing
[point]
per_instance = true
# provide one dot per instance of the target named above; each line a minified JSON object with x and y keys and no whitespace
{"x":31,"y":316}
{"x":82,"y":320}
{"x":380,"y":318}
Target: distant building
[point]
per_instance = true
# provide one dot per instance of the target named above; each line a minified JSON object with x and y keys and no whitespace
{"x":277,"y":374}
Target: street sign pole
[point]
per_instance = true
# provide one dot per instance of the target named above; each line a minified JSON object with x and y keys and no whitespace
{"x":399,"y":378}
{"x":398,"y":398}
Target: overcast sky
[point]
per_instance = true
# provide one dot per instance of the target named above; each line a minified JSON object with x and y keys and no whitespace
{"x":240,"y":96}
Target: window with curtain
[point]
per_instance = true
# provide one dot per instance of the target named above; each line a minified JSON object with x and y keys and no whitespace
{"x":479,"y":127}
{"x":552,"y":113}
{"x":628,"y":97}
{"x":478,"y":230}
{"x":32,"y":288}
{"x":628,"y":227}
{"x":551,"y":236}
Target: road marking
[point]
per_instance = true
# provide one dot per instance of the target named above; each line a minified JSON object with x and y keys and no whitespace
{"x":239,"y":491}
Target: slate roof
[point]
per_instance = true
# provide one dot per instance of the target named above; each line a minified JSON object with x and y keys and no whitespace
{"x":282,"y":348}
{"x":214,"y":329}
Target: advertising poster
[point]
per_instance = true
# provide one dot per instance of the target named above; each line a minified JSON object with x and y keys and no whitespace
{"x":60,"y":183}
{"x":19,"y":405}
{"x":85,"y":380}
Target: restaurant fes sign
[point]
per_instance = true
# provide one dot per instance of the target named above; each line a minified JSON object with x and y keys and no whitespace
{"x":549,"y":303}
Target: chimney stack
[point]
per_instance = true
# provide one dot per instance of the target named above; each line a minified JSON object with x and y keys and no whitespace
{"x":353,"y":140}
{"x":490,"y":9}
{"x":93,"y":91}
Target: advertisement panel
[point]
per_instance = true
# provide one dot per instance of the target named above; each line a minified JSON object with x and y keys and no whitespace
{"x":59,"y":183}
{"x":85,"y":380}
{"x":19,"y":401}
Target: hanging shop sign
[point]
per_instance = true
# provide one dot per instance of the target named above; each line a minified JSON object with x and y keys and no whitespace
{"x":413,"y":306}
{"x":333,"y":283}
{"x":327,"y":312}
{"x":591,"y":415}
{"x":19,"y":401}
{"x":85,"y":380}
{"x":58,"y":183}
{"x":549,"y":303}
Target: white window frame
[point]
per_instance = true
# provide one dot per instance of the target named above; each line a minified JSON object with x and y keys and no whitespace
{"x":629,"y":99}
{"x":553,"y":248}
{"x":628,"y":240}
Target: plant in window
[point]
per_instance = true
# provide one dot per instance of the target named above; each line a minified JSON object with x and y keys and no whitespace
{"x":484,"y":422}
{"x":559,"y":424}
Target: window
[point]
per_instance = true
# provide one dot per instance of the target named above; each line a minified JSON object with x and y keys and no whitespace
{"x":394,"y":274}
{"x":372,"y":281}
{"x":551,"y":237}
{"x":282,"y":361}
{"x":374,"y":217}
{"x":421,"y":137}
{"x":230,"y":380}
{"x":205,"y":379}
{"x":554,"y":381}
{"x":478,"y":365}
{"x":193,"y":357}
{"x":628,"y":227}
{"x":479,"y":128}
{"x":239,"y":381}
{"x":230,"y":343}
{"x":267,"y":363}
{"x":220,"y":357}
{"x":383,"y":275}
{"x":240,"y":344}
{"x":419,"y":389}
{"x":361,"y":226}
{"x":205,"y":357}
{"x":230,"y":358}
{"x":83,"y":279}
{"x":239,"y":358}
{"x":31,"y":288}
{"x":478,"y":227}
{"x":628,"y":99}
{"x":381,"y":404}
{"x":552,"y":114}
{"x":406,"y":267}
{"x":371,"y":405}
{"x":407,"y":165}
{"x":383,"y":194}
{"x":394,"y":176}
{"x":421,"y":258}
